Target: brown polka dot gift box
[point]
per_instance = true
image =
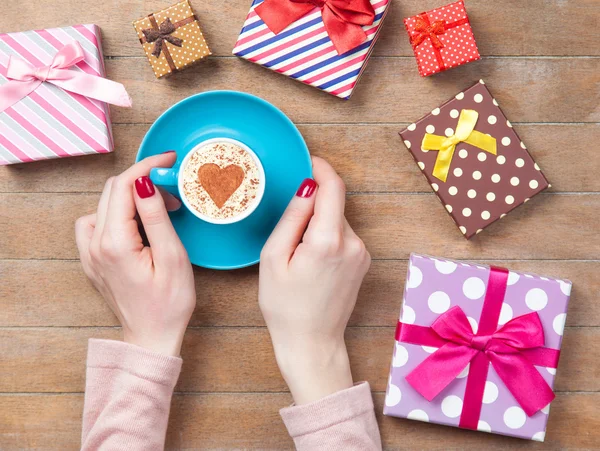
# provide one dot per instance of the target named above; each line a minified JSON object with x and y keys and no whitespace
{"x":442,"y":38}
{"x":473,"y":159}
{"x":172,"y":39}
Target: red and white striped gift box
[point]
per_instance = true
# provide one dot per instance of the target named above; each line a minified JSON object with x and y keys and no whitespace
{"x":51,"y":122}
{"x":304,"y":51}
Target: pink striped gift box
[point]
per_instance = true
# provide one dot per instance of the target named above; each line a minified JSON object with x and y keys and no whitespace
{"x":51,"y":122}
{"x":304,"y":51}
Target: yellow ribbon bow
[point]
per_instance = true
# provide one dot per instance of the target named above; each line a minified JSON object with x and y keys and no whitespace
{"x":464,"y":133}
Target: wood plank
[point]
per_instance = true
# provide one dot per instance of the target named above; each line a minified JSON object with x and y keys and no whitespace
{"x":370,"y":158}
{"x":61,"y":295}
{"x":239,"y":359}
{"x":547,"y":90}
{"x":392,"y":226}
{"x":251,"y":421}
{"x":221,"y":22}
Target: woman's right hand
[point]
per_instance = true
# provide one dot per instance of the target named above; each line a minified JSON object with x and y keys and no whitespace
{"x":311,"y":269}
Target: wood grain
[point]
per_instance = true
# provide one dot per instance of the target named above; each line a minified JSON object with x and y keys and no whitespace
{"x":239,"y":359}
{"x":541,"y":62}
{"x":370,"y":158}
{"x":392,"y":226}
{"x":221,"y":22}
{"x":251,"y":421}
{"x":547,"y":89}
{"x":56,"y":293}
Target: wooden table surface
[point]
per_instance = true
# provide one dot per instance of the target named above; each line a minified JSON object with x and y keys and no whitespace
{"x":541,"y":59}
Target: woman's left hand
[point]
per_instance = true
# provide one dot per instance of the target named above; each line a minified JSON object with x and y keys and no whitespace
{"x":150,"y":289}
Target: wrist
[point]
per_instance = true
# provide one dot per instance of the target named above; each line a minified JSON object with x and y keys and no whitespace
{"x":313,"y":369}
{"x":167,"y":344}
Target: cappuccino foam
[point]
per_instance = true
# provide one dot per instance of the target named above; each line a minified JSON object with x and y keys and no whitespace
{"x":222,"y":154}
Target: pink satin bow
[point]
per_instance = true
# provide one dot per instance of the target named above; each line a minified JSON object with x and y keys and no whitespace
{"x":512,"y":350}
{"x":25,"y":78}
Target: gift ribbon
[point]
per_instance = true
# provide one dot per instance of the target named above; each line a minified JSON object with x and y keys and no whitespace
{"x":424,"y":30}
{"x":163,"y":33}
{"x":343,"y":19}
{"x":26,"y":78}
{"x":464,"y":133}
{"x":512,"y":349}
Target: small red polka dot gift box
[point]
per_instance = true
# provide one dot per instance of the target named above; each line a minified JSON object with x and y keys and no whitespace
{"x":172,"y":39}
{"x":442,"y":38}
{"x":477,"y":347}
{"x":473,"y":159}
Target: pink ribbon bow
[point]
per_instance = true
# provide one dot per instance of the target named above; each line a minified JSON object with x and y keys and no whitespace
{"x":512,"y":349}
{"x":26,"y":78}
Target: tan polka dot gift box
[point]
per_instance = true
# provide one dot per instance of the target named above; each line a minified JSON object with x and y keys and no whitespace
{"x":172,"y":39}
{"x":473,"y":159}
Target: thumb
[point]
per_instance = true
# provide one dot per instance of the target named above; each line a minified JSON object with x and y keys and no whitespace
{"x":154,"y":217}
{"x":289,"y":231}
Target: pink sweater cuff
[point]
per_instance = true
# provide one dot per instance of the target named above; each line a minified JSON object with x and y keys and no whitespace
{"x":137,"y":361}
{"x":347,"y":405}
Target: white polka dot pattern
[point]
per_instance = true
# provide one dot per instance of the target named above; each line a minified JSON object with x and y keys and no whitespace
{"x":193,"y":49}
{"x":452,"y":406}
{"x":511,"y":175}
{"x":418,"y":415}
{"x":458,"y":41}
{"x":438,"y":302}
{"x":408,"y":315}
{"x":514,"y":417}
{"x":400,"y":356}
{"x":394,"y":395}
{"x":474,"y":288}
{"x":445,"y":283}
{"x":536,"y":299}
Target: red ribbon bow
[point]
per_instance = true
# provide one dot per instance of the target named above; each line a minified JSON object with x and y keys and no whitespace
{"x":343,"y":19}
{"x":512,"y":349}
{"x":426,"y":30}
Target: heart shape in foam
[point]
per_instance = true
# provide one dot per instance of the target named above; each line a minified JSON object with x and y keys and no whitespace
{"x":220,"y":183}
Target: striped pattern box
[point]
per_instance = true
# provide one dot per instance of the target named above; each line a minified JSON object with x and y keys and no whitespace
{"x":304,"y":52}
{"x":50,"y":122}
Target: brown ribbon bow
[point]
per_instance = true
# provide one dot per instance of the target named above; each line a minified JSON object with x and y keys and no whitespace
{"x":164,"y":33}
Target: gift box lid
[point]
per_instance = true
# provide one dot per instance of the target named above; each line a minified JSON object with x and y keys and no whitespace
{"x":51,"y":122}
{"x":481,"y":187}
{"x":182,"y":45}
{"x":433,"y":287}
{"x":303,"y":51}
{"x":442,"y":38}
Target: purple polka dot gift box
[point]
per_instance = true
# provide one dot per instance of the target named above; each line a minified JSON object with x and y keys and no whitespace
{"x":473,"y":159}
{"x":477,"y":347}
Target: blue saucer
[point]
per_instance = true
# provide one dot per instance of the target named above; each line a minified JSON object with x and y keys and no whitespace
{"x":266,"y":130}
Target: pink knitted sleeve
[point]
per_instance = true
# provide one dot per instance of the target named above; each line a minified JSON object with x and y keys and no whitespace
{"x":127,"y":396}
{"x":342,"y":421}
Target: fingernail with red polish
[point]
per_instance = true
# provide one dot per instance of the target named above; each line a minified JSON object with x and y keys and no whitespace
{"x":144,"y":187}
{"x":307,"y":188}
{"x":168,"y":151}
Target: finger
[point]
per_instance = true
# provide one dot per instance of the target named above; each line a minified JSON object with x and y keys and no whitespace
{"x":122,"y":205}
{"x":84,"y":229}
{"x":103,"y":207}
{"x":330,"y":201}
{"x":171,"y":202}
{"x":289,"y":230}
{"x":153,"y":214}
